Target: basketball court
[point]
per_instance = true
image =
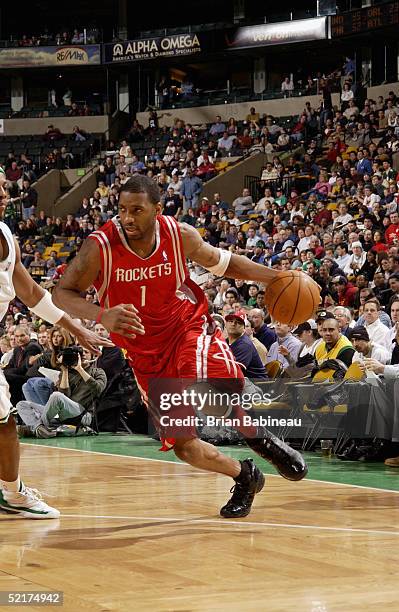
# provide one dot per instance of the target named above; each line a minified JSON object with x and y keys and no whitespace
{"x":140,"y":530}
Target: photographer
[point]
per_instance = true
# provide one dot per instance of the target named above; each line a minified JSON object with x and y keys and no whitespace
{"x":80,"y":385}
{"x":38,"y":388}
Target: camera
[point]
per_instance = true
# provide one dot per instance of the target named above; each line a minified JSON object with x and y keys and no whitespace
{"x":70,"y":355}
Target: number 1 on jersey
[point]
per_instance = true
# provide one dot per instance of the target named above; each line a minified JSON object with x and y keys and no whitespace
{"x":143,"y":290}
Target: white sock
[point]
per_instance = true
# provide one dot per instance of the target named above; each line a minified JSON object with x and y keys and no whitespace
{"x":13,"y":486}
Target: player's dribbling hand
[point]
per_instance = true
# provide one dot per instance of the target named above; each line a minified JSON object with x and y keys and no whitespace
{"x":123,"y":320}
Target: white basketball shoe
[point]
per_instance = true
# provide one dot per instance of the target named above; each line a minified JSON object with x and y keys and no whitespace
{"x":27,"y":503}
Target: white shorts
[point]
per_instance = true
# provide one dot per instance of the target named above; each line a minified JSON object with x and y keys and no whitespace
{"x":5,"y":403}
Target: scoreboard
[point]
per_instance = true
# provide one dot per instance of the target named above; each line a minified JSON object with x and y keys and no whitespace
{"x":365,"y":19}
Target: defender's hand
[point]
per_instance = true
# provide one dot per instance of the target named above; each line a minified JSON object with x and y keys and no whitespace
{"x":123,"y":320}
{"x":91,"y":341}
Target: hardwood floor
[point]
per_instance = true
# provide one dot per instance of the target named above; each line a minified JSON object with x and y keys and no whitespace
{"x":145,"y":535}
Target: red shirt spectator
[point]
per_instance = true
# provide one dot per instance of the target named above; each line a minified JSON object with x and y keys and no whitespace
{"x":322,"y":213}
{"x":13,"y":173}
{"x":346,"y":291}
{"x":392,"y":231}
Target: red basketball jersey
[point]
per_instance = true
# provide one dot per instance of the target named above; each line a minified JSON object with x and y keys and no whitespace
{"x":159,"y":287}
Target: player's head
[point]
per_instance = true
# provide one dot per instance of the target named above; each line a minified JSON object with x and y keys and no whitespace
{"x":139,"y":206}
{"x":3,"y":193}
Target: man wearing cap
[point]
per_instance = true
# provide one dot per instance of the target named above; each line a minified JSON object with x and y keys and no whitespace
{"x":243,"y":348}
{"x":365,"y":348}
{"x":334,"y":345}
{"x":346,"y":291}
{"x":258,"y":256}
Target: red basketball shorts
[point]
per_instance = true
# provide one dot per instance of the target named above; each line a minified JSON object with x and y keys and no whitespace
{"x":196,"y":356}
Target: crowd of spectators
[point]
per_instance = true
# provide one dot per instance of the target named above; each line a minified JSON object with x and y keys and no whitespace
{"x":76,"y":36}
{"x":342,"y":229}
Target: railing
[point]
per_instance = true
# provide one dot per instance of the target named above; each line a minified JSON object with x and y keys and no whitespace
{"x":287,"y":183}
{"x":223,"y":97}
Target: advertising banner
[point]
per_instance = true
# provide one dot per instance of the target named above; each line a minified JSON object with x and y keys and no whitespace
{"x":277,"y":33}
{"x":68,"y":55}
{"x":153,"y":48}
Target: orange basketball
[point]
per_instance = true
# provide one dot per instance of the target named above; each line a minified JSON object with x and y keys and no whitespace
{"x":292,"y":297}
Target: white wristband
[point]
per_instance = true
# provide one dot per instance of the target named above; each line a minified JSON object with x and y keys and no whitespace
{"x":220,"y":268}
{"x":46,"y":310}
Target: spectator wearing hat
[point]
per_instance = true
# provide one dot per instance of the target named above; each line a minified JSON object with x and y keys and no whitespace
{"x":243,"y":348}
{"x":334,"y":344}
{"x":286,"y":344}
{"x":364,"y":347}
{"x":345,"y":290}
{"x":259,"y":256}
{"x":357,"y":259}
{"x":307,"y":334}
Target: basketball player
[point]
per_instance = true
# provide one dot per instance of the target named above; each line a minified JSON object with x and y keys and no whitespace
{"x":137,"y":262}
{"x":15,"y":497}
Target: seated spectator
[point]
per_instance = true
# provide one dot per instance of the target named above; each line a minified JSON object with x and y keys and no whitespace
{"x":17,"y":367}
{"x":78,"y":388}
{"x":13,"y":172}
{"x":79,"y":135}
{"x":356,"y":260}
{"x":218,"y":127}
{"x":285,"y":344}
{"x":377,"y":331}
{"x":334,"y":344}
{"x":39,"y":388}
{"x":345,"y":290}
{"x":225,"y":143}
{"x":52,"y":134}
{"x":125,"y":151}
{"x":344,"y":318}
{"x":244,"y":203}
{"x":261,"y":331}
{"x":364,"y":347}
{"x":71,"y":226}
{"x":243,"y":348}
{"x":252,"y":116}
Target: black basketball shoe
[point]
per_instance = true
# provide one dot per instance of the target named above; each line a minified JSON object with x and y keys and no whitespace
{"x":248,"y":483}
{"x":288,"y":462}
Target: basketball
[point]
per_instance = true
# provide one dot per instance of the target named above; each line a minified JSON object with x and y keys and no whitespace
{"x":292,"y":297}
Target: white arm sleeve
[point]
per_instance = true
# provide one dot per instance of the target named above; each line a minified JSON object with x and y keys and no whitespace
{"x":46,"y":310}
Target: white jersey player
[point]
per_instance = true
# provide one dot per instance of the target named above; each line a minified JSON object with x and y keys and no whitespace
{"x":15,"y":497}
